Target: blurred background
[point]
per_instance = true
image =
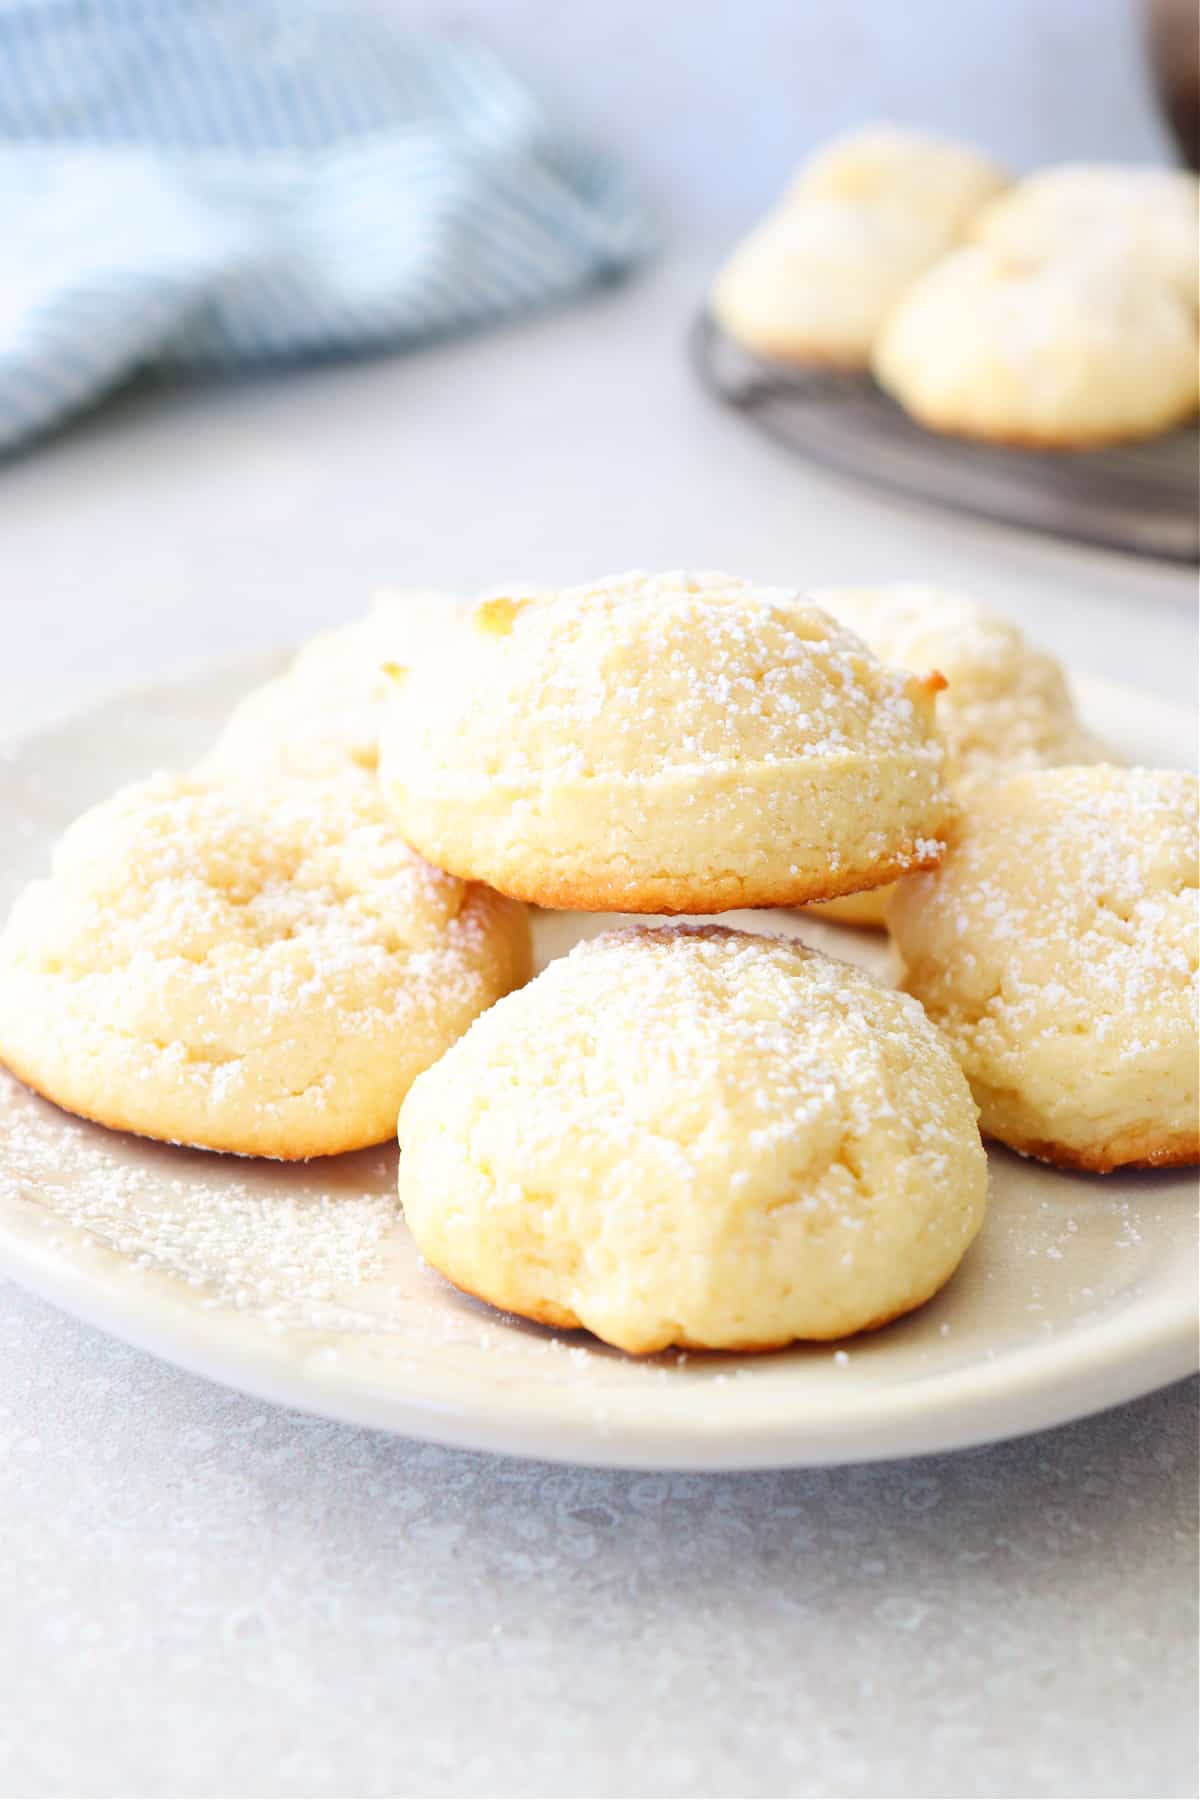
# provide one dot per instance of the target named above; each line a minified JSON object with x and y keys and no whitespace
{"x":714,"y":103}
{"x":529,"y":412}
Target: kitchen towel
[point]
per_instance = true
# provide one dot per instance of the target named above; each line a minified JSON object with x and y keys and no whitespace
{"x":200,"y":184}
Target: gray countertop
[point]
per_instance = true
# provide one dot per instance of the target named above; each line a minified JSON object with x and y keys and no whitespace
{"x":204,"y":1596}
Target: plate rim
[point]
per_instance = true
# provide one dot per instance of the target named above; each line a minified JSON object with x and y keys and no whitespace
{"x":1128,"y":1357}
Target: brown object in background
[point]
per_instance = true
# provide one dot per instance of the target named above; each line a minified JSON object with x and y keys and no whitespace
{"x":1172,"y":29}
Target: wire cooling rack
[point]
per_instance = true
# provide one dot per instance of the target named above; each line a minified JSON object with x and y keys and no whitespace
{"x":1143,"y":498}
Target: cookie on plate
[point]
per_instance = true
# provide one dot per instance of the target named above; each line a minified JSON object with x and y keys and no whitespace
{"x":320,"y":717}
{"x":817,"y":278}
{"x":255,"y":969}
{"x":671,"y":743}
{"x":1058,"y":354}
{"x":1057,"y":949}
{"x":1150,"y":215}
{"x":1006,"y":705}
{"x":696,"y":1137}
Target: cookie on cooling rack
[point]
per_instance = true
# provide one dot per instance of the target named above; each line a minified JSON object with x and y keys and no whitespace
{"x":1151,"y":216}
{"x":1066,"y":354}
{"x":1006,"y":705}
{"x":816,"y":280}
{"x":664,"y":744}
{"x":696,"y":1137}
{"x":255,"y":969}
{"x":1056,"y":947}
{"x":320,"y":717}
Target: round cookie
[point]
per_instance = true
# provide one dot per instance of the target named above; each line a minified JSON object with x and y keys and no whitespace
{"x":255,"y":969}
{"x":816,"y":280}
{"x":1151,"y":216}
{"x":1057,"y":949}
{"x":1062,"y":355}
{"x":1006,"y":705}
{"x":696,"y":1137}
{"x":675,"y":743}
{"x":321,"y":717}
{"x":934,"y":180}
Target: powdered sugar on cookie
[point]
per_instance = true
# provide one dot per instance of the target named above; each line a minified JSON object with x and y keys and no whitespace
{"x":1057,"y":946}
{"x":676,"y":742}
{"x":696,"y":1137}
{"x":261,"y":968}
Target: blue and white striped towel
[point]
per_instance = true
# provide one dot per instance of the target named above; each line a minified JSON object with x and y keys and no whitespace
{"x":203,"y":183}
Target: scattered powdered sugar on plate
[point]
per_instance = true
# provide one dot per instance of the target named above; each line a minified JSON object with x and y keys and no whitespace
{"x":289,"y":1249}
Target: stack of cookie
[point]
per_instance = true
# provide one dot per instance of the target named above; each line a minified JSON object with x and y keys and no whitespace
{"x":677,"y":1134}
{"x":671,"y":1136}
{"x":1059,"y":312}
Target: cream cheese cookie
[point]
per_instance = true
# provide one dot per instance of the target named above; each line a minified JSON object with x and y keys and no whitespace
{"x":815,"y":281}
{"x":696,"y":1137}
{"x":672,"y":743}
{"x":818,"y":277}
{"x":1057,"y":949}
{"x":1065,"y":355}
{"x":933,"y":179}
{"x":1006,"y":706}
{"x":1151,"y":216}
{"x":321,"y":716}
{"x":256,"y":969}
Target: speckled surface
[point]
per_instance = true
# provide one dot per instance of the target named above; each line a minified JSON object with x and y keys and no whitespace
{"x":212,"y":1597}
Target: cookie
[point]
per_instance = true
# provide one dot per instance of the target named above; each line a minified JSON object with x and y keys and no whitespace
{"x":816,"y":280}
{"x":320,"y":718}
{"x":1066,"y":355}
{"x":934,"y":180}
{"x":1056,"y":947}
{"x":1151,"y":216}
{"x":696,"y":1137}
{"x":1006,"y":705}
{"x":261,"y":970}
{"x":671,"y":743}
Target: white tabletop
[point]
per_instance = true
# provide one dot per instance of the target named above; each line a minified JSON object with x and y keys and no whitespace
{"x":204,"y":1596}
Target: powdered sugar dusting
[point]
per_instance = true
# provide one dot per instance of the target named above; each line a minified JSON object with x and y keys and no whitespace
{"x":245,"y":966}
{"x":696,"y":1137}
{"x":288,"y":1253}
{"x":694,"y":1028}
{"x":1007,"y":705}
{"x":1100,"y":918}
{"x":679,"y":670}
{"x":1059,"y":947}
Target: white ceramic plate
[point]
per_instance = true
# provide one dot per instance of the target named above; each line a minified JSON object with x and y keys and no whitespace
{"x":300,"y":1283}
